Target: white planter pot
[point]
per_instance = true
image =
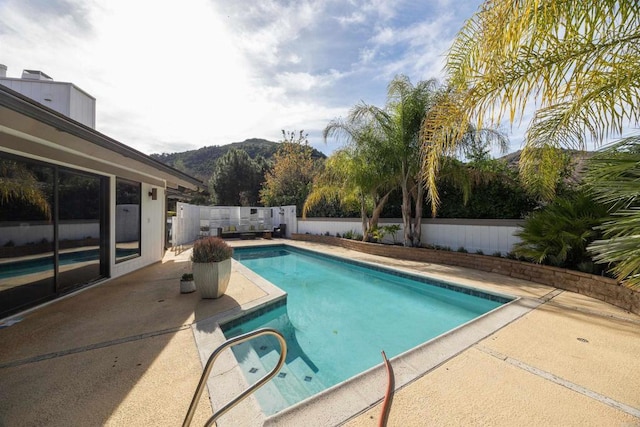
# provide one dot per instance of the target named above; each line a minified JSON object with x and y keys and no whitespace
{"x":212,"y":278}
{"x":187,"y":286}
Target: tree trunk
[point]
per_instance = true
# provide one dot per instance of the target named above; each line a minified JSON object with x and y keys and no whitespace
{"x":406,"y":213}
{"x":377,"y":211}
{"x":417,"y":222}
{"x":364,"y":217}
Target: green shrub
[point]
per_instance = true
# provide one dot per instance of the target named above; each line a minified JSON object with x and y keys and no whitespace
{"x":559,"y":234}
{"x":462,"y":250}
{"x":511,"y":255}
{"x":211,"y":249}
{"x":187,"y":277}
{"x":352,"y":235}
{"x":388,"y":230}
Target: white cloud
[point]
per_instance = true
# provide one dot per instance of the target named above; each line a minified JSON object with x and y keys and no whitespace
{"x":170,"y":76}
{"x":385,"y":35}
{"x":262,"y":28}
{"x":354,"y":18}
{"x":367,"y":55}
{"x":384,"y":9}
{"x":295,"y":59}
{"x":303,"y":82}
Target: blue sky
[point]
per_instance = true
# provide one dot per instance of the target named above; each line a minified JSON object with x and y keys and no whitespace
{"x":170,"y":76}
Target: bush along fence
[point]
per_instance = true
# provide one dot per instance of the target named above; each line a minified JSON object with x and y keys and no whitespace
{"x":602,"y":288}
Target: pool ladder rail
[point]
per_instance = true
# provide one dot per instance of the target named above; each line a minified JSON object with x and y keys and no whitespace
{"x":209,"y":365}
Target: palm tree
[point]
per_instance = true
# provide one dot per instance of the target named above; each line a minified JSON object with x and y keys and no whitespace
{"x":578,"y":61}
{"x":400,"y":123}
{"x":357,"y":174}
{"x":613,"y":176}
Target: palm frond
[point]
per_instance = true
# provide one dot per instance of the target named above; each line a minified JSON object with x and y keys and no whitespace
{"x":442,"y":129}
{"x":613,"y":173}
{"x":613,"y":176}
{"x":621,"y":246}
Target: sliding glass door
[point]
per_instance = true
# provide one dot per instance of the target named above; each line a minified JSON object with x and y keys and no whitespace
{"x":53,"y":231}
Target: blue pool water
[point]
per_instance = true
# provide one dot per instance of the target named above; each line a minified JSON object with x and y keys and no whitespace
{"x":338,"y":316}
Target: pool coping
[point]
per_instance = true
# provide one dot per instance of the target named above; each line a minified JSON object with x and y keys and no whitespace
{"x":359,"y":393}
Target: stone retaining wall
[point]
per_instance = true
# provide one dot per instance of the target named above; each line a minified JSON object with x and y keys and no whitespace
{"x":602,"y":288}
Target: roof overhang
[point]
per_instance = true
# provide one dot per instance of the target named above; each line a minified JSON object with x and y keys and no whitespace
{"x":29,"y":127}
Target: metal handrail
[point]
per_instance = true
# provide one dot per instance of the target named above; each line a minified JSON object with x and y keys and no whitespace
{"x":207,"y":371}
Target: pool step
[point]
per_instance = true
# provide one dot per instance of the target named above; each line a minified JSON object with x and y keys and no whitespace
{"x":296,"y":378}
{"x":290,"y":386}
{"x":305,"y":374}
{"x":269,"y":397}
{"x":295,"y":381}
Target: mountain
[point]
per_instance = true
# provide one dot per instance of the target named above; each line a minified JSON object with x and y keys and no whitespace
{"x":200,"y":163}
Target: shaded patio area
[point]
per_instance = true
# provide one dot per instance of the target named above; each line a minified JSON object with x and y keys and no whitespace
{"x":124,"y":353}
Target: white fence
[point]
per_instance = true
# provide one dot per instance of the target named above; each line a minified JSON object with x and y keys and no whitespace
{"x":193,"y":221}
{"x":486,"y":235}
{"x":186,"y":224}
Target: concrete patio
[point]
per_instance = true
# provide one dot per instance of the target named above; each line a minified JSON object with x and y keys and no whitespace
{"x":125,"y":352}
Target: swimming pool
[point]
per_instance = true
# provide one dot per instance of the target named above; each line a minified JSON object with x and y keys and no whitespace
{"x":338,"y":316}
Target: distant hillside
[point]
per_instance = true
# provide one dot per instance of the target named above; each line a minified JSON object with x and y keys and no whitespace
{"x":200,"y":162}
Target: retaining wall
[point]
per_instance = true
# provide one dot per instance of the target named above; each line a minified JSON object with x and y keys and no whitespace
{"x":602,"y":288}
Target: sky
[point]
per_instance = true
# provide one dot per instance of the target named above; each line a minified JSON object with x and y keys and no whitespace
{"x":172,"y":76}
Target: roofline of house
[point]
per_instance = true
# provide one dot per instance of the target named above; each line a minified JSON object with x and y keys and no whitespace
{"x":33,"y":109}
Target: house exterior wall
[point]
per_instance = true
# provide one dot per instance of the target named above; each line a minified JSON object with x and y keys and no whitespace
{"x":62,"y":97}
{"x":71,"y":242}
{"x":82,"y":107}
{"x":152,"y":223}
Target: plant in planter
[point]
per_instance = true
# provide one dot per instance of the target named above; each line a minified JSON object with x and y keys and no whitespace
{"x":187,"y":285}
{"x":211,"y":259}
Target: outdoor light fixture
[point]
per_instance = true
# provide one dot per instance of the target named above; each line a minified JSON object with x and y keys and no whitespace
{"x":153,"y":194}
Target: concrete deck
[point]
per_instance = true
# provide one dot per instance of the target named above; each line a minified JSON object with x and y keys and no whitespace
{"x":129,"y":352}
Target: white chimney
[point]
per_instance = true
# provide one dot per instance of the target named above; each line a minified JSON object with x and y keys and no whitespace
{"x":3,"y":70}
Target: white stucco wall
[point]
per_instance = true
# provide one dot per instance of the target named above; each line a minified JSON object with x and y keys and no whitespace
{"x":488,"y":236}
{"x":152,"y":232}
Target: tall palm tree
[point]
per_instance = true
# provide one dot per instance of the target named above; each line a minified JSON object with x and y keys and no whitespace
{"x":400,"y":123}
{"x":356,"y":174}
{"x":577,"y":62}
